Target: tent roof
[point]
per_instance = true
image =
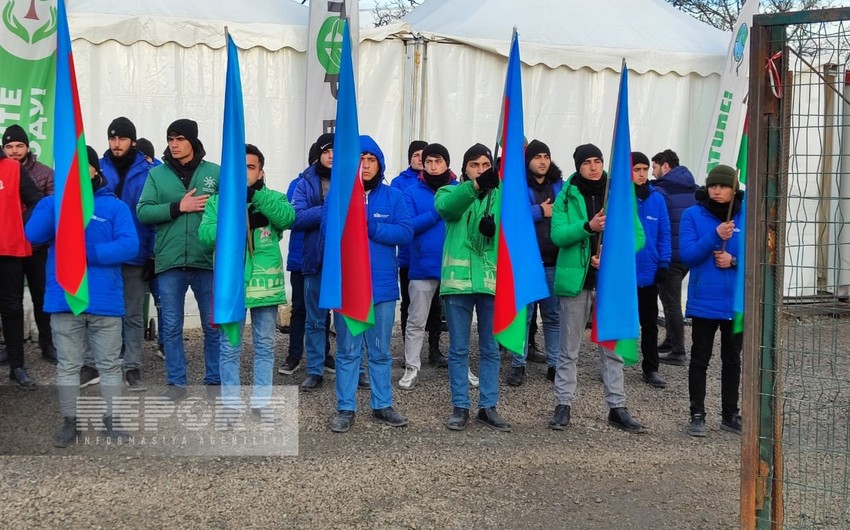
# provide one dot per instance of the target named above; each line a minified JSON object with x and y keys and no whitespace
{"x":271,"y":24}
{"x":650,"y":34}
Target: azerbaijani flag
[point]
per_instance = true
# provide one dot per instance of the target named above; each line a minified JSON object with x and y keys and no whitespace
{"x":520,"y":279}
{"x":615,"y":320}
{"x":346,"y":270}
{"x":74,"y":203}
{"x":231,"y":225}
{"x":738,"y":301}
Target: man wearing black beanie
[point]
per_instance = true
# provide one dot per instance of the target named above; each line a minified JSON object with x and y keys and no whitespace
{"x":578,"y":220}
{"x":173,"y":200}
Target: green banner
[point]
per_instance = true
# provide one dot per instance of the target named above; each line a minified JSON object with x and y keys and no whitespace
{"x":28,"y":67}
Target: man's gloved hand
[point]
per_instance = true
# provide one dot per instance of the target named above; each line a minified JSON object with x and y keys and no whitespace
{"x":489,"y":179}
{"x":661,"y":275}
{"x":487,"y":226}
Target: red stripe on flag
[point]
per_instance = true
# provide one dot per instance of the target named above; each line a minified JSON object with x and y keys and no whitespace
{"x":609,"y":344}
{"x":75,"y":94}
{"x":504,"y":310}
{"x":70,"y":233}
{"x":356,"y":273}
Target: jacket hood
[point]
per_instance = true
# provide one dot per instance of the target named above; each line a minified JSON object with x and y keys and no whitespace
{"x":368,"y":145}
{"x":553,"y":175}
{"x":677,"y":179}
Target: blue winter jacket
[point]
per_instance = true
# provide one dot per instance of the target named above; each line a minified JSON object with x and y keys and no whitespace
{"x":429,"y":232}
{"x":710,"y":289}
{"x":407,"y":178}
{"x":678,"y":188}
{"x":110,"y":241}
{"x":656,"y":252}
{"x":307,"y":200}
{"x":296,"y":238}
{"x":134,"y":181}
{"x":536,"y":210}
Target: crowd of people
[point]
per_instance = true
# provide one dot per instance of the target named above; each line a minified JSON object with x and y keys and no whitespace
{"x":432,"y":244}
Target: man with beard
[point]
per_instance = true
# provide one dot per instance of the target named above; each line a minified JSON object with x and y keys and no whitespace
{"x":16,"y":146}
{"x":126,"y":171}
{"x":173,"y":199}
{"x":544,"y":184}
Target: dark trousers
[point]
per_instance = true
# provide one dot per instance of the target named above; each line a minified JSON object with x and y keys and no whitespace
{"x":297,"y":318}
{"x":404,"y":286}
{"x":12,"y":308}
{"x":35,"y":268}
{"x":703,"y":331}
{"x":434,"y":323}
{"x":648,"y":315}
{"x":670,"y":292}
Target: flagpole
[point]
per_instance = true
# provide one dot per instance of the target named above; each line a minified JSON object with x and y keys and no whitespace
{"x":731,"y":204}
{"x":613,"y":140}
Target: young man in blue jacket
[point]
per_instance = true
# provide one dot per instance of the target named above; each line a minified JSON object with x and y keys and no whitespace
{"x":652,"y":261}
{"x":710,"y":246}
{"x":110,"y":241}
{"x":389,"y":225}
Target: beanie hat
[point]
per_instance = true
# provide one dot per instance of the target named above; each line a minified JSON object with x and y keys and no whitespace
{"x":416,"y":145}
{"x":186,"y":128}
{"x":436,"y":150}
{"x":535,"y":148}
{"x":585,"y":151}
{"x":325,"y":142}
{"x":313,"y":154}
{"x":723,"y":175}
{"x":124,"y":128}
{"x":94,"y":160}
{"x":476,"y":151}
{"x":16,"y":133}
{"x":145,"y":147}
{"x":639,"y":158}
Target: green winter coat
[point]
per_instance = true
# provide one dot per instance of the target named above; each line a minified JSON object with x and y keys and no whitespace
{"x":569,"y":214}
{"x":177,"y":243}
{"x":469,"y":258}
{"x":264,"y":279}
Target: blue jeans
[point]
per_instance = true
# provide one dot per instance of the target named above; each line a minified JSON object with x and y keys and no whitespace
{"x":72,"y":337}
{"x":349,"y":359}
{"x":173,"y":284}
{"x":263,"y":327}
{"x":550,"y":309}
{"x":315,"y":326}
{"x":459,"y":309}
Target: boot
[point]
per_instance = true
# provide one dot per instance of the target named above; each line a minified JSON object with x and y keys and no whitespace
{"x":67,"y":433}
{"x":112,"y":432}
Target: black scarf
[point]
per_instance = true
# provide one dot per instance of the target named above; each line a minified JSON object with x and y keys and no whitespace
{"x":590,"y":187}
{"x":122,"y":166}
{"x":184,"y":171}
{"x":322,"y":171}
{"x":642,"y":191}
{"x":369,"y":185}
{"x":436,"y":182}
{"x":721,"y":209}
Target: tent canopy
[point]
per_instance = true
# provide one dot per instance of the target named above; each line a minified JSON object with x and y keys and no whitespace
{"x":651,"y":34}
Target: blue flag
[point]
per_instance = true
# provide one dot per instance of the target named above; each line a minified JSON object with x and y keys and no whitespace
{"x":231,"y":226}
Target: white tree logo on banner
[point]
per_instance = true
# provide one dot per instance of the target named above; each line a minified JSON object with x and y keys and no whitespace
{"x":27,"y":27}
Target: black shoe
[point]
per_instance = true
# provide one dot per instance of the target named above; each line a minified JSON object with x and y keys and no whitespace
{"x":458,"y":420}
{"x":112,"y":433}
{"x":4,"y":356}
{"x":289,"y":367}
{"x":434,"y":354}
{"x":134,"y":381}
{"x":330,"y":364}
{"x":491,"y":418}
{"x":88,"y":376}
{"x":342,"y":421}
{"x":312,"y":383}
{"x":516,"y":377}
{"x":388,"y":416}
{"x":731,"y":424}
{"x":67,"y":433}
{"x":21,"y":376}
{"x":265,"y":415}
{"x":174,"y":393}
{"x":536,"y":356}
{"x":675,"y":359}
{"x":363,"y":382}
{"x":550,"y":373}
{"x":696,"y":427}
{"x":620,"y":418}
{"x":654,"y":380}
{"x":48,"y":353}
{"x":665,"y":347}
{"x":561,"y":418}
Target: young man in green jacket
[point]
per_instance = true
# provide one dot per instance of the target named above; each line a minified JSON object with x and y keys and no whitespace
{"x":269,"y":214}
{"x":468,"y":282}
{"x":173,"y":200}
{"x":578,"y":221}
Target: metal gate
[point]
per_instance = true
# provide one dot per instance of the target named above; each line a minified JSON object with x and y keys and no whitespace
{"x":795,"y":460}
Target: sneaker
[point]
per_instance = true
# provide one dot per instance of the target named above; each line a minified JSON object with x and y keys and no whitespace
{"x":696,"y":427}
{"x":675,"y":359}
{"x":89,"y":376}
{"x":516,"y":377}
{"x":473,"y":381}
{"x":731,"y":424}
{"x":330,"y":364}
{"x":20,"y":376}
{"x":312,"y":383}
{"x":458,"y":420}
{"x":160,"y":351}
{"x":134,"y":381}
{"x":550,"y":373}
{"x":390,"y":417}
{"x":620,"y":418}
{"x":67,"y":433}
{"x":665,"y":347}
{"x":561,"y":418}
{"x":654,"y":380}
{"x":289,"y":367}
{"x":493,"y":419}
{"x":342,"y":421}
{"x":411,"y":376}
{"x":174,"y":393}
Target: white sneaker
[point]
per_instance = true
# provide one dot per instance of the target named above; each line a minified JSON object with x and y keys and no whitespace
{"x":473,"y":381}
{"x":411,"y":376}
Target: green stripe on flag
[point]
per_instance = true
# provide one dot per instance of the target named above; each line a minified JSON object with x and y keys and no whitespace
{"x":514,"y":337}
{"x":356,"y":327}
{"x":628,"y":350}
{"x":79,"y":301}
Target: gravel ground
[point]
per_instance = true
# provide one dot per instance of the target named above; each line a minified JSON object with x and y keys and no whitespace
{"x":422,"y":476}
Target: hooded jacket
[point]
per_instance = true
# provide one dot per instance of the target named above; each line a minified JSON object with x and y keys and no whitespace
{"x":678,"y":188}
{"x":407,"y":178}
{"x":429,"y":231}
{"x":655,"y":222}
{"x":308,"y":202}
{"x":131,"y":190}
{"x":543,"y":225}
{"x":296,"y":237}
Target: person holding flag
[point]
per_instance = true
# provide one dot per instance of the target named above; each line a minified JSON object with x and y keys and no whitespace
{"x":578,"y":221}
{"x":709,"y":243}
{"x":389,"y":225}
{"x":468,"y":283}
